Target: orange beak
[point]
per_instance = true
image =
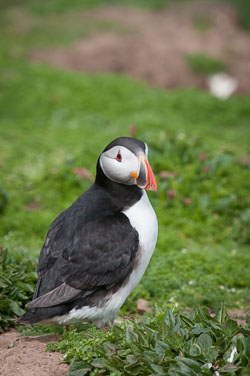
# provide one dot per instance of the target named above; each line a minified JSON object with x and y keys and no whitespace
{"x":151,"y":182}
{"x":145,"y":178}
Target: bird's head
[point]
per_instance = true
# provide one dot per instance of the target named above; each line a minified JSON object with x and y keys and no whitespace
{"x":125,"y":161}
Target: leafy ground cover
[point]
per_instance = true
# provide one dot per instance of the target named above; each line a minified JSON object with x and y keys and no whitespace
{"x":17,"y":282}
{"x":167,"y":344}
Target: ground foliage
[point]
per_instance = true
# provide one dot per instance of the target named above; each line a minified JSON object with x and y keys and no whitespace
{"x":167,"y":344}
{"x":17,"y":282}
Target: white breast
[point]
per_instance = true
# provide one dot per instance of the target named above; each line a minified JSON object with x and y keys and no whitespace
{"x":143,"y":218}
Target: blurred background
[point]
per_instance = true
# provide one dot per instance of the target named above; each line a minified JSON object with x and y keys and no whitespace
{"x":76,"y":74}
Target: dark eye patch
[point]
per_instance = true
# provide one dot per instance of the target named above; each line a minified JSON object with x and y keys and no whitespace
{"x":118,"y":157}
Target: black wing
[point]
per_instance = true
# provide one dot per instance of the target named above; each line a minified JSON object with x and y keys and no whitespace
{"x":99,"y":254}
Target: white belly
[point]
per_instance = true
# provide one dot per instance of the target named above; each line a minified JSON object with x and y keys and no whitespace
{"x":143,"y":218}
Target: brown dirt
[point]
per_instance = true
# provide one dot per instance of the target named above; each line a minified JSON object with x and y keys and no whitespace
{"x":155,"y":46}
{"x":27,"y":356}
{"x":239,"y":315}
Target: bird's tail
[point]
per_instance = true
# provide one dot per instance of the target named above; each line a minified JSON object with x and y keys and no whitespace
{"x":46,"y":314}
{"x":28,"y":318}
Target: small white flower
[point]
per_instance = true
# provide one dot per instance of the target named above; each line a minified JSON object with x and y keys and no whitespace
{"x":207,"y":365}
{"x":231,"y":358}
{"x":233,"y":289}
{"x":221,"y":85}
{"x":176,"y":304}
{"x":191,"y":282}
{"x":172,"y":299}
{"x":222,"y":287}
{"x":184,"y":250}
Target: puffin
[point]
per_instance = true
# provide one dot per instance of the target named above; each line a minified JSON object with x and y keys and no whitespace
{"x":97,"y":250}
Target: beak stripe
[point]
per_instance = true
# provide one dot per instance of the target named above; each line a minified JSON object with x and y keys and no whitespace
{"x":151,"y":182}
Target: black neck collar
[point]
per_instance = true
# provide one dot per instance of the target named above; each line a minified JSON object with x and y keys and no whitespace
{"x":122,"y":196}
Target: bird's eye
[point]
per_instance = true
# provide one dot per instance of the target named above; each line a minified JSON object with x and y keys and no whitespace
{"x":118,"y":157}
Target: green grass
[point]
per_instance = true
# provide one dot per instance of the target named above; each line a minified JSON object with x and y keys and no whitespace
{"x":54,"y":121}
{"x":204,"y":64}
{"x":63,"y":6}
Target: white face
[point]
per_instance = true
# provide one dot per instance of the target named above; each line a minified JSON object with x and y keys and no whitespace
{"x":118,"y":163}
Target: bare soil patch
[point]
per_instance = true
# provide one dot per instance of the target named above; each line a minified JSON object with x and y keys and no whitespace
{"x":156,"y":44}
{"x":239,"y":315}
{"x":27,"y":356}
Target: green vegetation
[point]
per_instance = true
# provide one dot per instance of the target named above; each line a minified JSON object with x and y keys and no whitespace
{"x":54,"y":121}
{"x":47,"y":6}
{"x":168,"y":344}
{"x":17,"y":282}
{"x":243,"y":9}
{"x":204,"y":64}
